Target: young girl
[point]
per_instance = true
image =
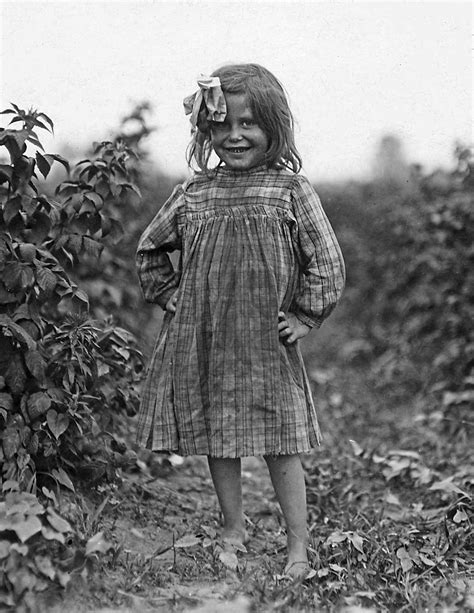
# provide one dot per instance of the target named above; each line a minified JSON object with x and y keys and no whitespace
{"x":259,"y":267}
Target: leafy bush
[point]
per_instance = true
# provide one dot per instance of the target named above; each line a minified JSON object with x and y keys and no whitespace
{"x":65,"y":378}
{"x":40,"y":551}
{"x":57,"y":367}
{"x":410,"y":276}
{"x":111,"y":282}
{"x":31,"y":536}
{"x":422,"y":313}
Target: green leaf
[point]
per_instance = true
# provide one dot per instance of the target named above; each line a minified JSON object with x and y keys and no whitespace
{"x":17,"y":332}
{"x":46,"y":279}
{"x":50,"y":494}
{"x":92,"y":247}
{"x":27,"y":252}
{"x":229,"y":559}
{"x":40,"y":225}
{"x":336,"y":537}
{"x":95,"y":198}
{"x":81,"y":296}
{"x":133,"y":188}
{"x":75,"y":201}
{"x":44,"y":565}
{"x":10,"y":442}
{"x":4,"y":549}
{"x":116,"y":230}
{"x":14,"y":141}
{"x":58,"y":158}
{"x":6,"y":297}
{"x":16,"y":375}
{"x":50,"y":534}
{"x":447,"y":486}
{"x":11,"y":486}
{"x":12,"y":208}
{"x":356,"y":540}
{"x":27,"y":527}
{"x":57,"y":423}
{"x":97,"y":544}
{"x":63,"y":478}
{"x":48,"y":121}
{"x":405,"y":559}
{"x":11,"y":276}
{"x":57,"y":522}
{"x":40,"y":124}
{"x":94,"y":223}
{"x":38,"y":403}
{"x":33,"y":444}
{"x":27,"y":277}
{"x":466,"y":396}
{"x":33,"y":138}
{"x":22,"y":549}
{"x":87,"y":207}
{"x":16,"y":120}
{"x":31,"y":205}
{"x":6,"y":401}
{"x":460,"y":516}
{"x":35,"y":364}
{"x":74,"y":243}
{"x":43,"y":164}
{"x":188,"y":540}
{"x":5,"y":173}
{"x":63,"y":577}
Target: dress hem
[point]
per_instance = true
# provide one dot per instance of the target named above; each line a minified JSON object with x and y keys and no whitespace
{"x":261,"y":453}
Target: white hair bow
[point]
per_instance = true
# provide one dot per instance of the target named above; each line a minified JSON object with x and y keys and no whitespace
{"x":209,"y":92}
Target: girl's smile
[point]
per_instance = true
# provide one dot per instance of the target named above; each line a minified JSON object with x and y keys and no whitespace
{"x":238,"y":141}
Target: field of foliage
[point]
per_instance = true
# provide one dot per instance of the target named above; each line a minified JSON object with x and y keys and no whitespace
{"x":89,"y":521}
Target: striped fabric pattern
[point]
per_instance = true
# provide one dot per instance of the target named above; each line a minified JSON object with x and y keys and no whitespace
{"x":220,"y":381}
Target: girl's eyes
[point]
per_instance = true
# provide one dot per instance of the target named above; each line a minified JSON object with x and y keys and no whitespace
{"x":223,"y":125}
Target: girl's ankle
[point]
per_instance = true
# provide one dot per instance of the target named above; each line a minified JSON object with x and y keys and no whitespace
{"x":297,"y":551}
{"x":237,"y":534}
{"x":299,"y":569}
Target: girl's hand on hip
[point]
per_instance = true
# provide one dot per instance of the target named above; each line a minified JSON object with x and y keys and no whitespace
{"x":171,"y":304}
{"x":290,"y":328}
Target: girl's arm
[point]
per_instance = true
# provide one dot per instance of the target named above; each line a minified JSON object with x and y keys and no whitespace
{"x":158,"y":280}
{"x":322,"y":271}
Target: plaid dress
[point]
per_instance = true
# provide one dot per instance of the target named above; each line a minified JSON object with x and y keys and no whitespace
{"x":221,"y":382}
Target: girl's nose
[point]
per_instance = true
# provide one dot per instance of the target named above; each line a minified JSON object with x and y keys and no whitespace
{"x":235,"y":134}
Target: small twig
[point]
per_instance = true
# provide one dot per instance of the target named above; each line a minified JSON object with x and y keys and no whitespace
{"x":458,"y":421}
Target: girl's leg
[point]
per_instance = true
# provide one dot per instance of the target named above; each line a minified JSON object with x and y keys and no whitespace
{"x":287,"y":476}
{"x":227,"y":478}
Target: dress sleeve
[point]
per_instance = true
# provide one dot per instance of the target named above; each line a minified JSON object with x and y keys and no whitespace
{"x":322,"y":272}
{"x":158,"y":279}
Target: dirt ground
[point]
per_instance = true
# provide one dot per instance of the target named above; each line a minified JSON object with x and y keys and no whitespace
{"x":165,"y":529}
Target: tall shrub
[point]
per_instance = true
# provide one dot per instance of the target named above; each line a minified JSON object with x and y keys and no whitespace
{"x":419,"y":316}
{"x":63,"y":375}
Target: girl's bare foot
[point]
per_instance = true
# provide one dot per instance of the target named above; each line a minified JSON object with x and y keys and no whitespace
{"x":297,"y":570}
{"x":235,"y":538}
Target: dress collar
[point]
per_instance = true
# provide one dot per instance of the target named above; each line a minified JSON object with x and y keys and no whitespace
{"x":231,"y":171}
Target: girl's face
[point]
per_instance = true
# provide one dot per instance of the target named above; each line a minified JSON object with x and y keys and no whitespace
{"x":238,"y":141}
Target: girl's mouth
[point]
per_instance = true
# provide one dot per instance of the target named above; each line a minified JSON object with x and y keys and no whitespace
{"x":237,"y":149}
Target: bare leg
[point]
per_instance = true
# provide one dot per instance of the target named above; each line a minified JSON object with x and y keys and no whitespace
{"x":287,"y":476}
{"x":227,"y":478}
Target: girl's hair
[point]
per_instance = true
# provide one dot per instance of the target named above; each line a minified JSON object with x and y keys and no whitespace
{"x":269,"y":105}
